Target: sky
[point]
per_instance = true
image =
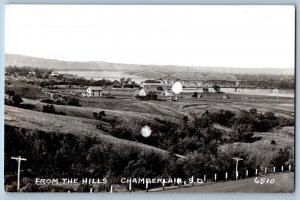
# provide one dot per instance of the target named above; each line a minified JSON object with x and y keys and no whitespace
{"x":212,"y":36}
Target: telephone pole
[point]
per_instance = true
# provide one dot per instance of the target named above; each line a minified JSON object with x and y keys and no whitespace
{"x":19,"y":159}
{"x":236,"y":166}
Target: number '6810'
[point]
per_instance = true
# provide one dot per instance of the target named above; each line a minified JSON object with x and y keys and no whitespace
{"x":262,"y":180}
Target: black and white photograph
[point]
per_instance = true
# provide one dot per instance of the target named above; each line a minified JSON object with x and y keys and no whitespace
{"x":149,"y":98}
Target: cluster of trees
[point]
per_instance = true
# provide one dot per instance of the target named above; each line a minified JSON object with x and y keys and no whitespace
{"x":42,"y":73}
{"x":13,"y":98}
{"x":27,"y":72}
{"x":267,"y":81}
{"x":245,"y":121}
{"x":125,"y":83}
{"x":201,"y":135}
{"x":51,"y":109}
{"x":51,"y":154}
{"x":68,"y":155}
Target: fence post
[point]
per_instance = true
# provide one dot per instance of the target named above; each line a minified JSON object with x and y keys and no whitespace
{"x":265,"y":170}
{"x":282,"y":168}
{"x":91,"y":190}
{"x":226,"y":176}
{"x":247,"y":173}
{"x":163,"y":184}
{"x":111,"y":188}
{"x":274,"y":169}
{"x":146,"y":186}
{"x":204,"y":178}
{"x":215,"y":177}
{"x":256,"y":172}
{"x":130,"y":186}
{"x":290,"y":167}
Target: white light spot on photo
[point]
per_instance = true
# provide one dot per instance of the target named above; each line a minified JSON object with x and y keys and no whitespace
{"x":146,"y":131}
{"x":177,"y":87}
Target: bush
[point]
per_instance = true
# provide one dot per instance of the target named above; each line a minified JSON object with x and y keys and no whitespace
{"x":27,"y":106}
{"x":98,"y":116}
{"x":73,"y":102}
{"x":284,"y":157}
{"x":48,"y":101}
{"x":49,"y":109}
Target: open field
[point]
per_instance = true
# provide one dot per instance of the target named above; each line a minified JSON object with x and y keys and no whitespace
{"x":284,"y":182}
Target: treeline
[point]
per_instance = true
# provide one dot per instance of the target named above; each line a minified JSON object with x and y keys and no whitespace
{"x":268,"y":81}
{"x":201,"y":135}
{"x":44,"y":79}
{"x":27,"y":71}
{"x":53,"y":83}
{"x":57,"y":155}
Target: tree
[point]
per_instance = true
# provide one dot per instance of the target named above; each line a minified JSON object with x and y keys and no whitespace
{"x":98,"y":116}
{"x":253,"y":111}
{"x":73,"y":102}
{"x":49,"y":109}
{"x":216,"y":88}
{"x":195,"y":94}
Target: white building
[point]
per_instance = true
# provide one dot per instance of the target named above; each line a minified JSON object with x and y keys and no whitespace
{"x":54,"y":74}
{"x":94,"y":91}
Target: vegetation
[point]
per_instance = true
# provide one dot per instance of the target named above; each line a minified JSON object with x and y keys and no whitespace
{"x":51,"y":109}
{"x":27,"y":72}
{"x":207,"y":139}
{"x":13,"y":99}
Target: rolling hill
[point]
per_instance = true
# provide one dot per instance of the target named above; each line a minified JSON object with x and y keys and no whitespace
{"x":21,"y":60}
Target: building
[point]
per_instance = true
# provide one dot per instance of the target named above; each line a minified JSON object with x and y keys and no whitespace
{"x":94,"y":91}
{"x":153,"y":85}
{"x":54,"y":74}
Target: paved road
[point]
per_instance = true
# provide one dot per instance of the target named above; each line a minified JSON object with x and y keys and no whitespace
{"x":283,"y":183}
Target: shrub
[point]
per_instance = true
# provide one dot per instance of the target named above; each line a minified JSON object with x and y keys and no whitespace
{"x":98,"y":116}
{"x":47,"y":101}
{"x":73,"y":102}
{"x":49,"y":109}
{"x":27,"y":106}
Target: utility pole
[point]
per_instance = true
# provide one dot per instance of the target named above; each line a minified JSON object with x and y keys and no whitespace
{"x":236,"y":166}
{"x":19,"y":159}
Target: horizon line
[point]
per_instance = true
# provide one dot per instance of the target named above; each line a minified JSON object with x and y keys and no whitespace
{"x":109,"y":62}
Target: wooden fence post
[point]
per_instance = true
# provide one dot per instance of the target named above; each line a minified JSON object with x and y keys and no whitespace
{"x":130,"y":185}
{"x":146,"y":186}
{"x":215,"y":177}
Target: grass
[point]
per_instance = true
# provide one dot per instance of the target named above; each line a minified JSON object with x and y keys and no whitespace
{"x":65,"y":124}
{"x":284,"y":182}
{"x":262,"y":151}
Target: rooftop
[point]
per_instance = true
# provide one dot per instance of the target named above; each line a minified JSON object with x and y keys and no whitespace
{"x":95,"y":87}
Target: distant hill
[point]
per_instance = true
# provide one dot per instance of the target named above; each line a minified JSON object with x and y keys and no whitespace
{"x":21,"y":60}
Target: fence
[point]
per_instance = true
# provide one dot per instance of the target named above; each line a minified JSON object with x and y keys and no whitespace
{"x":205,"y":179}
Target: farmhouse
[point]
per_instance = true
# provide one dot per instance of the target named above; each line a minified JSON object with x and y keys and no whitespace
{"x":94,"y":91}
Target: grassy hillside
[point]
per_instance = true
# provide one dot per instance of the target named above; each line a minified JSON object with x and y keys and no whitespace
{"x":17,"y":117}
